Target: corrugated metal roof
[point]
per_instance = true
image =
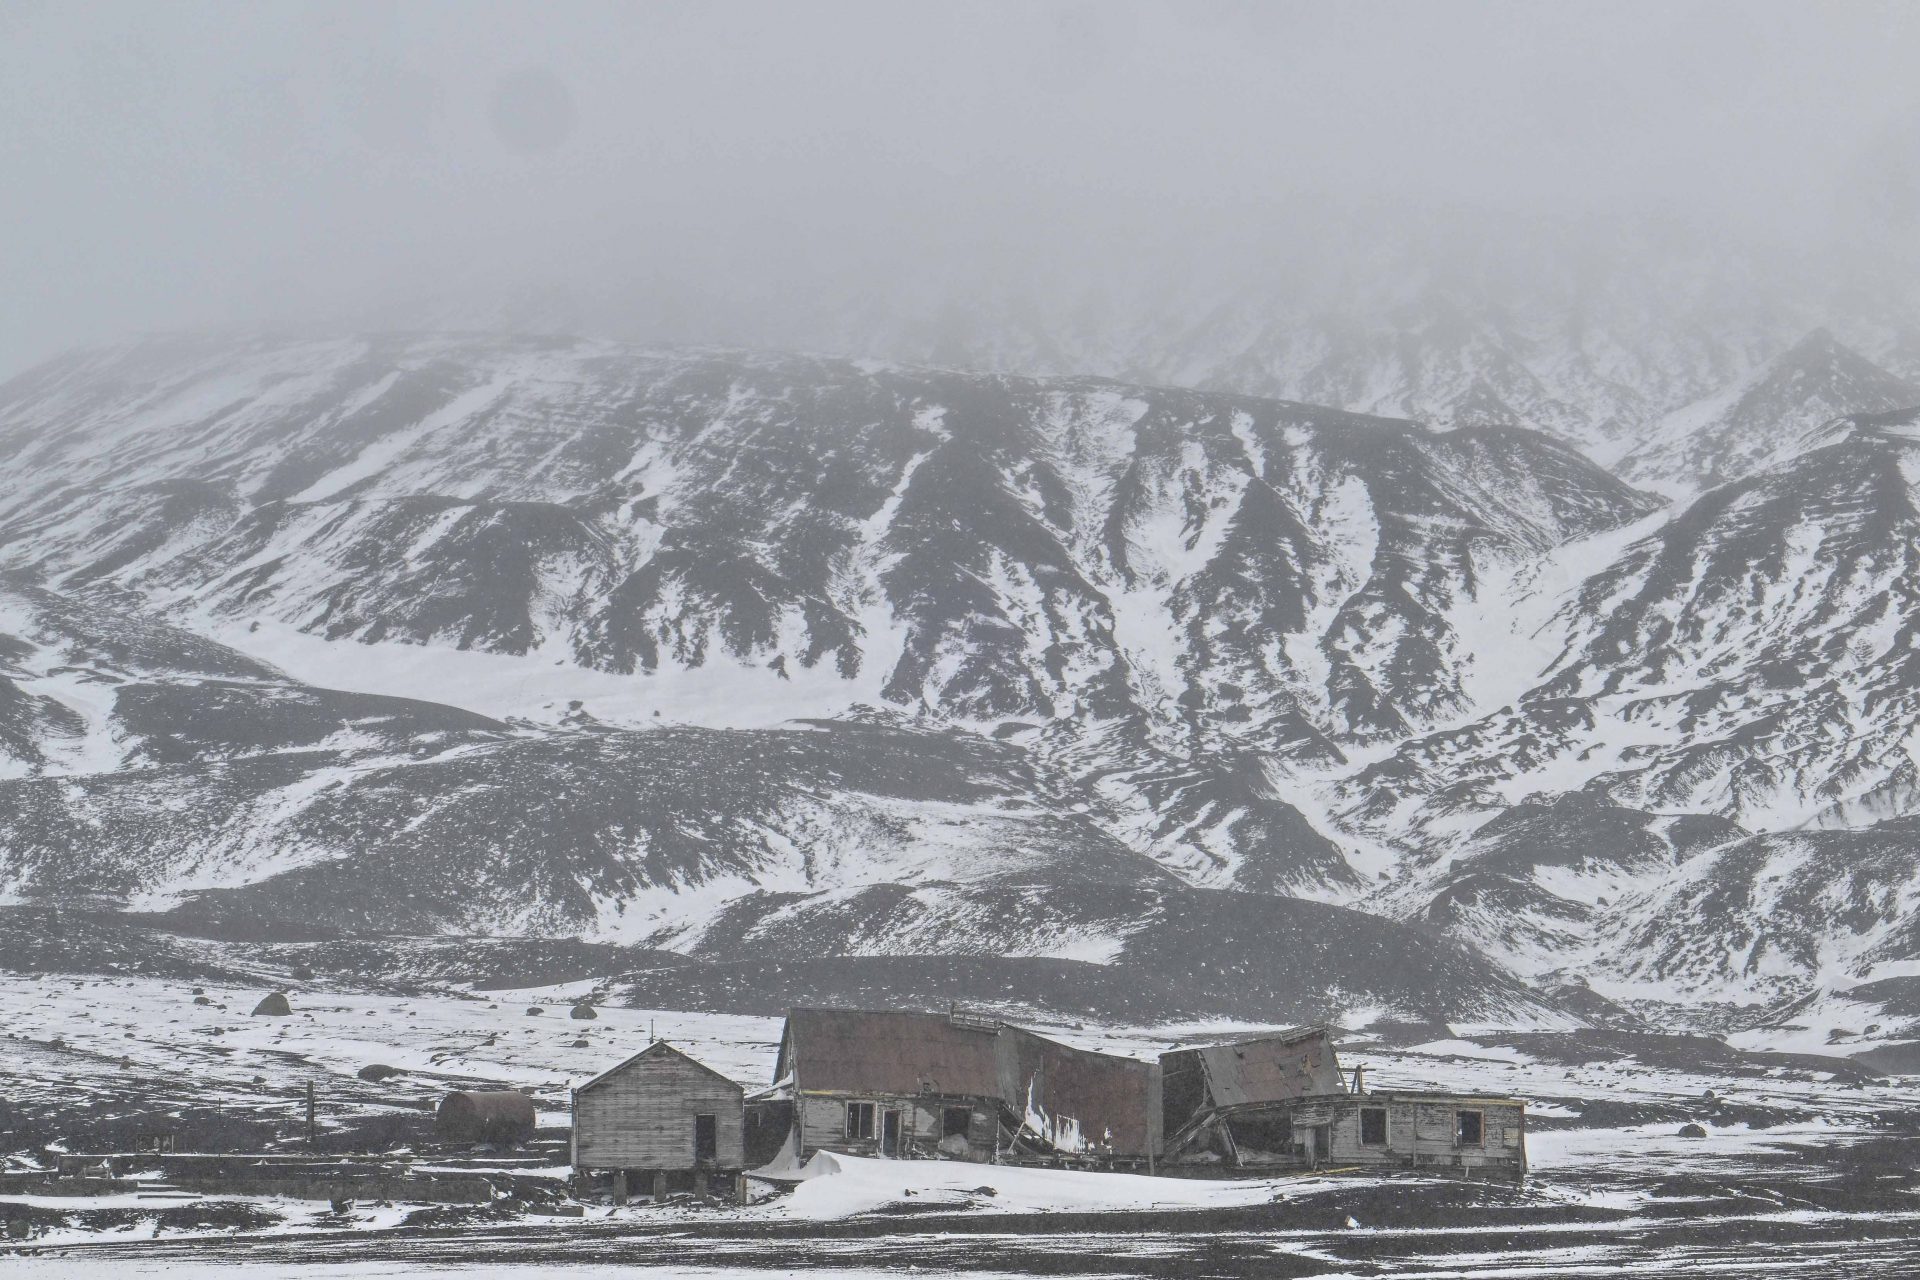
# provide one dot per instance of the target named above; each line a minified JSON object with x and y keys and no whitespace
{"x":1267,"y":1068}
{"x":861,"y":1051}
{"x":1074,"y":1098}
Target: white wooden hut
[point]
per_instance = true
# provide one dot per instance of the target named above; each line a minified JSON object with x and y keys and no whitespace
{"x":659,"y":1120}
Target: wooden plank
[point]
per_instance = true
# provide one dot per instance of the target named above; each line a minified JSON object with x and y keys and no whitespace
{"x":642,"y":1116}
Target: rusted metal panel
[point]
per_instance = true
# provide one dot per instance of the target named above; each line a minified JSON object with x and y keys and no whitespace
{"x":485,"y":1117}
{"x":1268,"y":1068}
{"x":1079,"y":1102}
{"x":859,"y":1052}
{"x":1068,"y":1101}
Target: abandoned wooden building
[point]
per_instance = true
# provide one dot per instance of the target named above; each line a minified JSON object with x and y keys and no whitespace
{"x":949,"y":1086}
{"x":1225,"y":1103}
{"x":658,"y":1123}
{"x":1282,"y":1102}
{"x":958,"y":1086}
{"x":1469,"y":1134}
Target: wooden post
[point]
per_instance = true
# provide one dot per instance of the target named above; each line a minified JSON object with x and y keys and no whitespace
{"x":313,"y":1123}
{"x":620,"y":1186}
{"x":659,"y":1185}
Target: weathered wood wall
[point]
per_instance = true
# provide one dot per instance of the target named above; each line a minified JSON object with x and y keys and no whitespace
{"x":641,"y":1117}
{"x":823,"y":1125}
{"x":1421,"y":1132}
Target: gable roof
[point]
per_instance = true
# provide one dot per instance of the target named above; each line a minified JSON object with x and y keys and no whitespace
{"x":866,"y":1051}
{"x":659,"y":1048}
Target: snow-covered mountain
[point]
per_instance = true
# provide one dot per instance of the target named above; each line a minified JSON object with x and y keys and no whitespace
{"x":1766,"y":416}
{"x":207,"y":793}
{"x":1708,"y":793}
{"x":1167,"y":589}
{"x":776,"y":657}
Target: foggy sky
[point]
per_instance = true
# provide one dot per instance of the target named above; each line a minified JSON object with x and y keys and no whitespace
{"x":719,"y":168}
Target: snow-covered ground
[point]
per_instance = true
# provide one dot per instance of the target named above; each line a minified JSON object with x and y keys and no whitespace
{"x":74,"y":1040}
{"x":76,"y":1036}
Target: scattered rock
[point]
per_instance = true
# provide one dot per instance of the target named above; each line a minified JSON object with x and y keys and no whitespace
{"x":1692,"y":1131}
{"x":274,"y":1006}
{"x":583,"y":1012}
{"x":534,"y":1011}
{"x":303,"y":972}
{"x":375,"y":1072}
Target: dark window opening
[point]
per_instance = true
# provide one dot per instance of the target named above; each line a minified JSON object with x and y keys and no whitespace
{"x":1373,"y":1126}
{"x":859,"y":1121}
{"x":955,"y":1121}
{"x":706,"y":1138}
{"x":1471,"y":1129}
{"x":890,"y":1132}
{"x":1182,"y":1094}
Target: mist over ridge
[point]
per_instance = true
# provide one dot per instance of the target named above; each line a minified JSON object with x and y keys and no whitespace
{"x":1031,"y":187}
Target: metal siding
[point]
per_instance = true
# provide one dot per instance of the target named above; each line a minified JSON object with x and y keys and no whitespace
{"x":1270,"y":1069}
{"x":900,"y":1054}
{"x":1108,"y":1098}
{"x":923,"y":1060}
{"x":499,"y":1116}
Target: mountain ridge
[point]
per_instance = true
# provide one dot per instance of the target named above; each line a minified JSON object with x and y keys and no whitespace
{"x":1199,"y":641}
